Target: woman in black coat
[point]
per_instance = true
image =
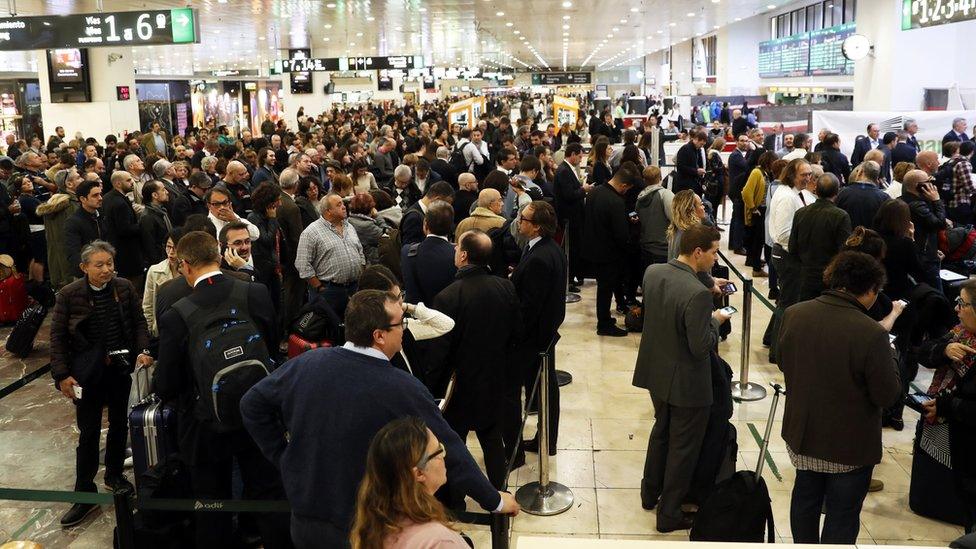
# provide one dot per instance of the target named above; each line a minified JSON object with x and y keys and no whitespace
{"x":834,"y":161}
{"x":600,"y":162}
{"x":307,"y":198}
{"x":266,"y":250}
{"x":953,"y":393}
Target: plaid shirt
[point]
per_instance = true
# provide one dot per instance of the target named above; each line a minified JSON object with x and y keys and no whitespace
{"x":326,"y":255}
{"x":962,"y":183}
{"x":817,"y":465}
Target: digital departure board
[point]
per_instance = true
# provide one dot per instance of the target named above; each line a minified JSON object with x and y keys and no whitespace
{"x":918,"y":14}
{"x":325,"y":64}
{"x":92,"y":30}
{"x":826,"y":51}
{"x":812,"y":53}
{"x":559,"y":78}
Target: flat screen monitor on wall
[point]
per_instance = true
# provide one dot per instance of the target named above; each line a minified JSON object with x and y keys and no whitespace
{"x":69,"y":75}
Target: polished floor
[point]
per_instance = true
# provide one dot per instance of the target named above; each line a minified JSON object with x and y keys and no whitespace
{"x":603,"y":438}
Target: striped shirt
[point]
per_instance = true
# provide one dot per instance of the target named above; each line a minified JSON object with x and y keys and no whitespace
{"x":325,"y":254}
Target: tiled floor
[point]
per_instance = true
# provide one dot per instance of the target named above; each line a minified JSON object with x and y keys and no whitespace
{"x":603,"y":436}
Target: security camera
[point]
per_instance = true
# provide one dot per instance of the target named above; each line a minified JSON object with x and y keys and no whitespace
{"x":113,"y":57}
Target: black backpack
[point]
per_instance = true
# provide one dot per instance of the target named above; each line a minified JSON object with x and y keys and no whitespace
{"x":737,"y":510}
{"x":227,"y":354}
{"x":505,"y":250}
{"x":457,"y":158}
{"x":943,"y":180}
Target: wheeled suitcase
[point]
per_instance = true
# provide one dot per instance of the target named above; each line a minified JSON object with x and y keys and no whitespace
{"x":152,"y":426}
{"x":21,"y":340}
{"x":739,"y":508}
{"x":298,"y":345}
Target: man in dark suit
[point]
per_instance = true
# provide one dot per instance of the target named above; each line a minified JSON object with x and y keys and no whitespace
{"x":673,"y":364}
{"x":442,"y":166}
{"x":485,"y":310}
{"x":539,"y":279}
{"x":863,"y":198}
{"x":738,"y":173}
{"x":383,"y":163}
{"x":774,"y":141}
{"x":911,"y":128}
{"x":689,"y":167}
{"x":412,"y":223}
{"x":819,"y":231}
{"x":958,"y":131}
{"x":121,"y":226}
{"x":863,"y":144}
{"x":605,"y":234}
{"x":888,"y":142}
{"x":209,"y":453}
{"x":290,"y":221}
{"x":178,"y":206}
{"x":905,"y":150}
{"x":570,"y":193}
{"x":428,"y":266}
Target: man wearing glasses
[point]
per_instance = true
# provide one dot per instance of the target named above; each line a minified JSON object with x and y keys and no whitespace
{"x":315,"y":416}
{"x":222,"y":212}
{"x":928,"y":216}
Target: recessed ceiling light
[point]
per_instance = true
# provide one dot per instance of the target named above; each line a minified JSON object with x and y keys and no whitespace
{"x":634,"y":10}
{"x":565,"y":27}
{"x":509,"y":24}
{"x":261,"y":38}
{"x":330,"y":5}
{"x":715,"y":27}
{"x":500,"y":13}
{"x":567,"y":4}
{"x":623,"y":21}
{"x":565,"y":34}
{"x":398,"y":29}
{"x":422,"y":10}
{"x":326,"y":39}
{"x":359,"y":34}
{"x":691,"y":14}
{"x":516,"y":33}
{"x":672,"y":24}
{"x":352,"y":44}
{"x":371,"y":18}
{"x":773,"y":6}
{"x":615,"y":29}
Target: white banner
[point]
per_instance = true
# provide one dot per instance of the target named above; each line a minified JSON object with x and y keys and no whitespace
{"x":932,"y":125}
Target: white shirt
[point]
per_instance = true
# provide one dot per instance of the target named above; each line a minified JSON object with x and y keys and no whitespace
{"x":533,"y":242}
{"x":786,"y":201}
{"x":205,"y":276}
{"x":368,"y":351}
{"x":807,"y":197}
{"x":252,"y":229}
{"x":894,"y":190}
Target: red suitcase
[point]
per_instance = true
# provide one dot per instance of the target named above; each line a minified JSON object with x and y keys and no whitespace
{"x":297,"y":345}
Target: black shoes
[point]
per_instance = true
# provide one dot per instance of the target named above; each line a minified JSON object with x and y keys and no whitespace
{"x":532,"y":445}
{"x":611,"y":331}
{"x":77,"y":514}
{"x":895,"y":423}
{"x":573,"y":289}
{"x":684,"y":524}
{"x":119,"y":483}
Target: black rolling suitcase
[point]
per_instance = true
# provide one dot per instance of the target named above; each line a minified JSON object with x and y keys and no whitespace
{"x":152,"y":428}
{"x":21,"y":340}
{"x":739,"y":509}
{"x":932,"y":492}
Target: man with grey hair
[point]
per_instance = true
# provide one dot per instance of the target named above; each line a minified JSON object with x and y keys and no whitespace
{"x":55,"y":213}
{"x":290,"y":221}
{"x":330,"y":257}
{"x":905,"y":150}
{"x":236,"y":181}
{"x":383,"y":162}
{"x":958,"y":131}
{"x":301,"y":163}
{"x":317,"y":169}
{"x":442,"y":166}
{"x":404,"y":192}
{"x":862,"y":199}
{"x":486,"y":216}
{"x":911,"y":128}
{"x":178,"y":205}
{"x":135,"y":166}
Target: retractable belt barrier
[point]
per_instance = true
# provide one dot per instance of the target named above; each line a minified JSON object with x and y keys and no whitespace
{"x":25,"y":380}
{"x":743,"y":389}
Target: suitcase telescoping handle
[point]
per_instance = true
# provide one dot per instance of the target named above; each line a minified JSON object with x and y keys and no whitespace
{"x":777,"y":391}
{"x":143,"y":384}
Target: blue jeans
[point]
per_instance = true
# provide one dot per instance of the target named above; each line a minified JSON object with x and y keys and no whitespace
{"x":843,"y":494}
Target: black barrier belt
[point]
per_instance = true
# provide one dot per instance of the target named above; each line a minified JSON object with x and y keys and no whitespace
{"x":25,"y":380}
{"x":755,"y":292}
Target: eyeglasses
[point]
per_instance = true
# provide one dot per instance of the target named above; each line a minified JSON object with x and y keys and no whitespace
{"x":962,"y":304}
{"x":220,"y":204}
{"x":529,"y":219}
{"x":402,"y":324}
{"x":440,"y":451}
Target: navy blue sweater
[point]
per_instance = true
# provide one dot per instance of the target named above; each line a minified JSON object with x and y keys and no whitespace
{"x":331,"y":402}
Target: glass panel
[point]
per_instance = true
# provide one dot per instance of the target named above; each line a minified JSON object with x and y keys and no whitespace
{"x":818,"y":16}
{"x":850,"y":7}
{"x":828,"y":15}
{"x":794,"y":23}
{"x":784,"y":25}
{"x":772,"y":28}
{"x":838,"y":10}
{"x":801,"y":21}
{"x":811,"y":20}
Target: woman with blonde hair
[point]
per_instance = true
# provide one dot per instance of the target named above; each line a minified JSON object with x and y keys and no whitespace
{"x":396,"y":507}
{"x":687,"y":210}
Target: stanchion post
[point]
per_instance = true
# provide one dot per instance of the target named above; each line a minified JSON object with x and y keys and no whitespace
{"x":544,"y":497}
{"x":744,"y":390}
{"x":499,"y":531}
{"x":125,"y":529}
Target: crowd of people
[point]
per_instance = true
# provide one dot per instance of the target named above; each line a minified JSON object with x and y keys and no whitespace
{"x":439,"y":257}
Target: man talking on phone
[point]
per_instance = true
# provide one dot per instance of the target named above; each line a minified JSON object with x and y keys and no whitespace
{"x":928,"y":216}
{"x":680,"y":330}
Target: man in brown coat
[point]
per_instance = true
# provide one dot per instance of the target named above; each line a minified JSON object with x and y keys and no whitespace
{"x":840,"y":374}
{"x":486,"y":216}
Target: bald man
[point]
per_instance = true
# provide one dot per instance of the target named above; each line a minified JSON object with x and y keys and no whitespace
{"x":466,"y":197}
{"x":487,"y":214}
{"x":928,"y":216}
{"x":236,"y":181}
{"x":928,"y":161}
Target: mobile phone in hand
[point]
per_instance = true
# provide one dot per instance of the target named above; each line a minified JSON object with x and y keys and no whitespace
{"x":728,"y":288}
{"x":728,"y":311}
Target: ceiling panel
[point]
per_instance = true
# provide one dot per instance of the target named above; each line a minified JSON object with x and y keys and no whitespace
{"x":540,"y":34}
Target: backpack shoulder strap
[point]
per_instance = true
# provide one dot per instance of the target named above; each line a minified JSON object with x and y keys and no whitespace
{"x":187,"y":311}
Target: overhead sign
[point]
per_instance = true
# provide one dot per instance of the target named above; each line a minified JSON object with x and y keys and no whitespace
{"x":812,"y":53}
{"x":917,"y":14}
{"x":92,"y":30}
{"x":559,"y":78}
{"x":326,"y":64}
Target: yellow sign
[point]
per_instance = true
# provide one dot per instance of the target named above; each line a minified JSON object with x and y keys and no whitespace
{"x":466,"y":112}
{"x":564,"y":110}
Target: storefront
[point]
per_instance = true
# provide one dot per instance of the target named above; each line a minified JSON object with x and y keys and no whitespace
{"x":166,"y":102}
{"x":20,"y":109}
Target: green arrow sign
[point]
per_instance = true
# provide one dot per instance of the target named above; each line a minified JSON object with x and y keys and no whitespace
{"x":184,"y":29}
